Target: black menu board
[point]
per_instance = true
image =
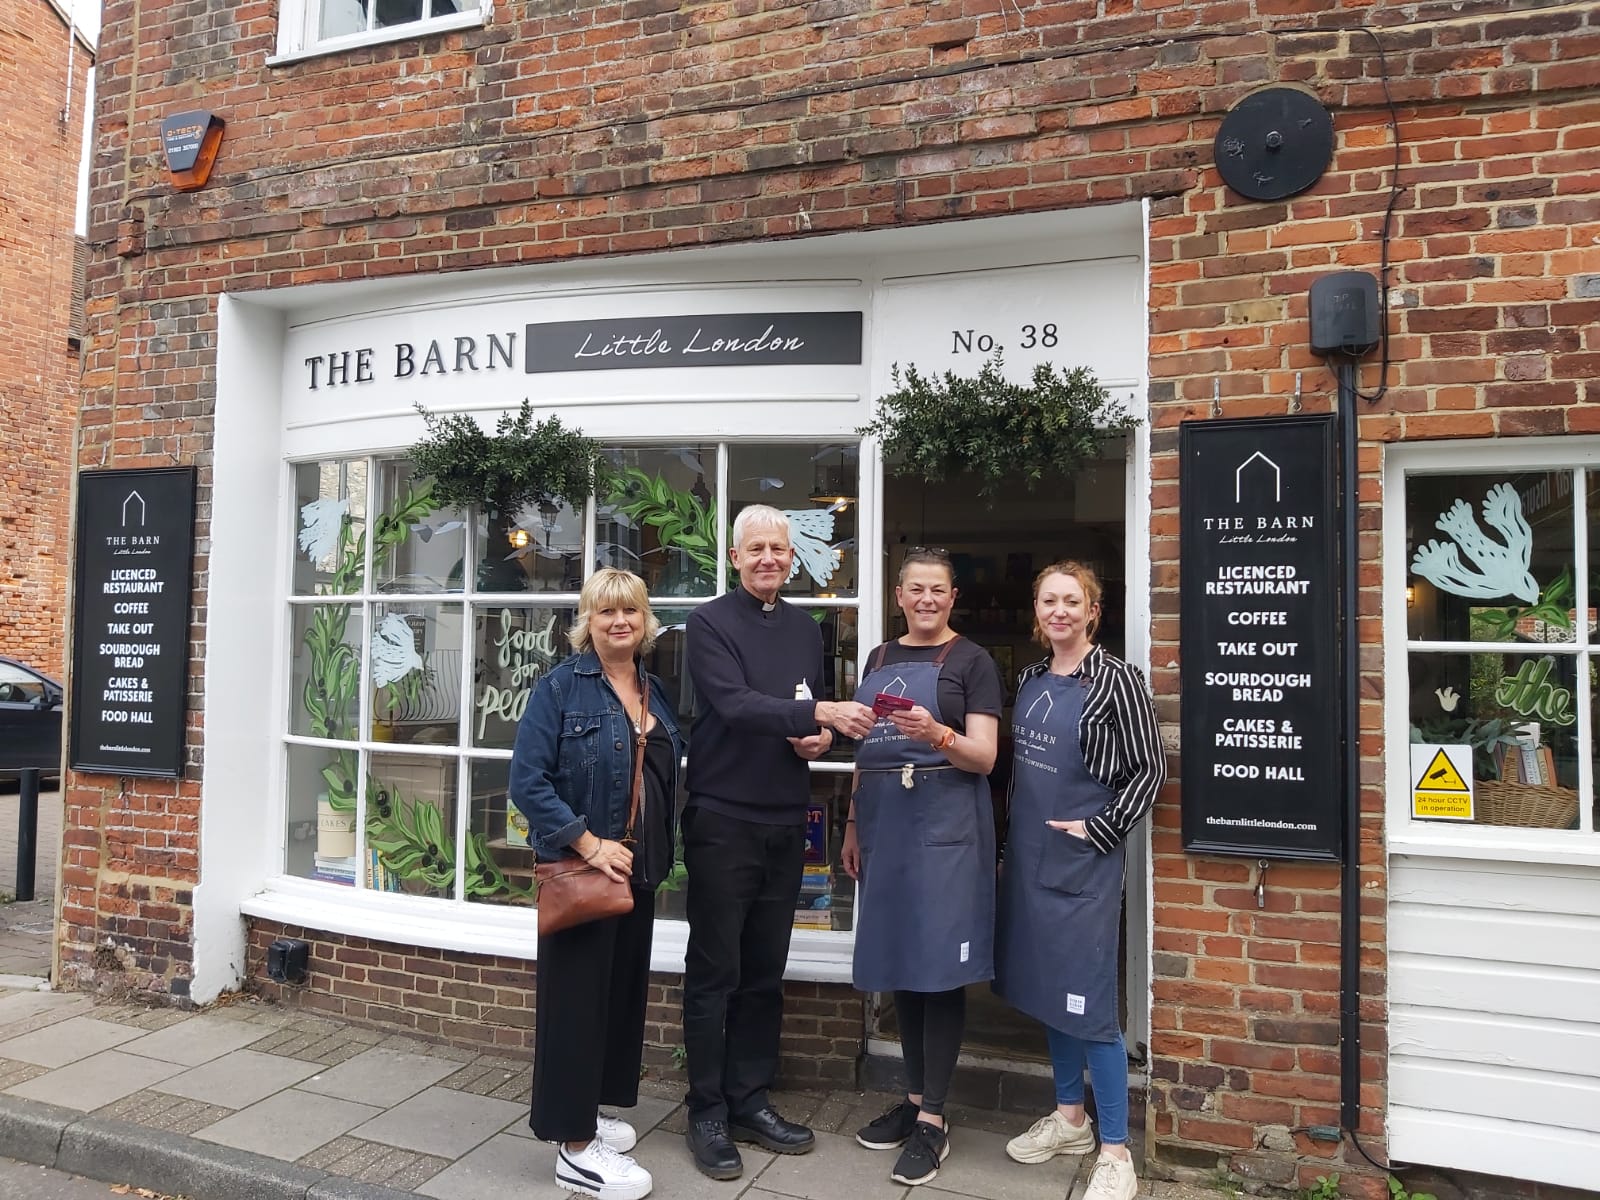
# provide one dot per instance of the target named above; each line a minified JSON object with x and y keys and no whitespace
{"x":130,"y":626}
{"x":1258,"y":596}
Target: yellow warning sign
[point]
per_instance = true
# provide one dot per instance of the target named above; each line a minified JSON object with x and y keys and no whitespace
{"x":1441,"y":776}
{"x":1441,"y":782}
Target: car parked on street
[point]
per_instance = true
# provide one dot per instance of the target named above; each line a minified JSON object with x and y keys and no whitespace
{"x":30,"y":720}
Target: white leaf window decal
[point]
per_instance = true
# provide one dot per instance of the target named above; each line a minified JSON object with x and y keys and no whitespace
{"x":320,"y":523}
{"x":811,"y":532}
{"x":1495,"y":567}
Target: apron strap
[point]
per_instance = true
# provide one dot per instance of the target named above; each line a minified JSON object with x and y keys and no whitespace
{"x":883,"y":649}
{"x":944,"y":651}
{"x":878,"y":657}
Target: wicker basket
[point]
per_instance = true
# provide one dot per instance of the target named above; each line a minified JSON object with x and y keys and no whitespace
{"x":1528,"y":805}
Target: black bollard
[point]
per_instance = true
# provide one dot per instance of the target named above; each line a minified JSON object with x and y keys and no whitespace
{"x":27,"y":831}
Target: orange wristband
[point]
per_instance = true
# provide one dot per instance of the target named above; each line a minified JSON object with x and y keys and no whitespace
{"x":948,"y":740}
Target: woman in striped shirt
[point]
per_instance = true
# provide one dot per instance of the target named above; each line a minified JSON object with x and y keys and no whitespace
{"x":1087,"y":765}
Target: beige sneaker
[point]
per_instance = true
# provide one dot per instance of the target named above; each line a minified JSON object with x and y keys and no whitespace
{"x":1050,"y":1135}
{"x":1113,"y":1179}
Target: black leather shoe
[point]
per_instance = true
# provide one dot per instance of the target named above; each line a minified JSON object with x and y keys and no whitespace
{"x":714,"y":1152}
{"x":771,"y":1132}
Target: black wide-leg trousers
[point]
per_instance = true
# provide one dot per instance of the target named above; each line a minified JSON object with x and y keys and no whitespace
{"x":588,"y":1037}
{"x":744,"y":879}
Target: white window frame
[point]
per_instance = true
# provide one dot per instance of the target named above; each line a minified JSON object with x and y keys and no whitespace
{"x":298,"y":21}
{"x":1406,"y":834}
{"x":484,"y":927}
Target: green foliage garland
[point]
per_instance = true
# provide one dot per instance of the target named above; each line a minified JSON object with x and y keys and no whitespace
{"x":523,"y":462}
{"x":938,"y":427}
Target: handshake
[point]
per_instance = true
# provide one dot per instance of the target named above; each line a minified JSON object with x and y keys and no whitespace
{"x":846,"y":717}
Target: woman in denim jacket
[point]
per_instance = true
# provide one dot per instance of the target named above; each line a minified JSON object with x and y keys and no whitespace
{"x":572,"y":777}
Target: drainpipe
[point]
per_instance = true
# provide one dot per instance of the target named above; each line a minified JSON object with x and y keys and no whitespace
{"x":1350,"y":871}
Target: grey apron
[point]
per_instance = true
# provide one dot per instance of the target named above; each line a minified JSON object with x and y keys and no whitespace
{"x":1060,"y":898}
{"x":926,"y":914}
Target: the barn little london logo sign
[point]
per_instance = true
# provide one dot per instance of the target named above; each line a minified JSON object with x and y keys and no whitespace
{"x":780,"y":339}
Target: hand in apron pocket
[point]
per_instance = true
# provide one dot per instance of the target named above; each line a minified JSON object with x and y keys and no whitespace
{"x":1067,"y":864}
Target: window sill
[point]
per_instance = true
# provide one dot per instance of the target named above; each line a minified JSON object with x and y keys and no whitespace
{"x":493,"y":929}
{"x":380,"y":37}
{"x":1552,"y":847}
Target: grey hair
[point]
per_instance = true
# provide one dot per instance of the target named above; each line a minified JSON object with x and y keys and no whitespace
{"x":757,"y":516}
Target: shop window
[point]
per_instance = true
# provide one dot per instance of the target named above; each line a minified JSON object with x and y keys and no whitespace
{"x":320,"y":25}
{"x":413,"y":658}
{"x":1501,"y":631}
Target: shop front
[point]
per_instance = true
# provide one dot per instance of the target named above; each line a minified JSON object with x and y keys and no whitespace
{"x":369,"y":653}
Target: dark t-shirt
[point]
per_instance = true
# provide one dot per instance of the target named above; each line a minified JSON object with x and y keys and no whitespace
{"x":969,"y":682}
{"x":652,"y":852}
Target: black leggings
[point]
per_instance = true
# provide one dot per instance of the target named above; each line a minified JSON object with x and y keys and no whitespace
{"x":931,"y":1025}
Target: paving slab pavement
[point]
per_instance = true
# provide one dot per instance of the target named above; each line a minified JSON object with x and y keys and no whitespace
{"x":245,"y":1101}
{"x":25,"y":927}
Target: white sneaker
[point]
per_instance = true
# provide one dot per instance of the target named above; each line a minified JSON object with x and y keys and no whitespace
{"x":616,"y":1133}
{"x":598,"y":1170}
{"x":1113,"y":1179}
{"x":1050,"y":1135}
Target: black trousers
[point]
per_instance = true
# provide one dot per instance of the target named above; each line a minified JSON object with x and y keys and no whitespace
{"x":931,"y":1025}
{"x":744,"y":879}
{"x":588,"y":1034}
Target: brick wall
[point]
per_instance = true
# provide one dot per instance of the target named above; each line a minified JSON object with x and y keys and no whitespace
{"x":568,"y":130}
{"x":486,"y":1003}
{"x":39,"y":156}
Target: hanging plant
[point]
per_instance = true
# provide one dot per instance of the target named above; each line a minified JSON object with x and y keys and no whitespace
{"x":942,"y":427}
{"x":524,"y":462}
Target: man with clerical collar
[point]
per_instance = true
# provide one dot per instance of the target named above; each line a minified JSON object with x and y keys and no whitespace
{"x":757,"y":666}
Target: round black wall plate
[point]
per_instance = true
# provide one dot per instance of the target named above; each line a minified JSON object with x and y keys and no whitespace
{"x":1274,"y":143}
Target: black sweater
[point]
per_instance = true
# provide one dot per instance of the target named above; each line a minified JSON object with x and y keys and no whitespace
{"x":745,"y":663}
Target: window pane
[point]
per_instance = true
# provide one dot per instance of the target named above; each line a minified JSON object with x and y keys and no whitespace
{"x":839,"y":651}
{"x":499,"y":862}
{"x":340,"y":17}
{"x":661,"y":519}
{"x":325,"y":673}
{"x":667,"y":661}
{"x":815,"y":484}
{"x":397,"y":12}
{"x":320,"y":809}
{"x":416,"y":673}
{"x":1519,"y":714}
{"x":1490,"y":557}
{"x":330,"y":521}
{"x":420,"y":547}
{"x":539,"y":549}
{"x":512,"y":649}
{"x":411,"y":822}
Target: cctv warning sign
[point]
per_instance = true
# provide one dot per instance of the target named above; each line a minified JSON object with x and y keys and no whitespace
{"x":1441,"y":783}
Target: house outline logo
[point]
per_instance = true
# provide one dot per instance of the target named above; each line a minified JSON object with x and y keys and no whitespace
{"x":131,"y":497}
{"x":894,"y":683}
{"x":1277,"y":477}
{"x":1049,"y":704}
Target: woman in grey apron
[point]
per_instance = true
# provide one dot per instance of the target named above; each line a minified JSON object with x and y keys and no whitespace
{"x":920,"y":840}
{"x":1087,"y":765}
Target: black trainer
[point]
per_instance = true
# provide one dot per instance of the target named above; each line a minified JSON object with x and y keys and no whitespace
{"x":714,"y":1152}
{"x":925,"y":1150}
{"x":771,"y":1132}
{"x":890,"y":1129}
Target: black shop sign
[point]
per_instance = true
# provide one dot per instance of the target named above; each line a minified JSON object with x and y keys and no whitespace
{"x":1258,"y":591}
{"x":787,"y":339}
{"x":130,"y":621}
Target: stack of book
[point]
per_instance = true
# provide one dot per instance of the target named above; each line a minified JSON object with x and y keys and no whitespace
{"x":334,"y":870}
{"x":814,"y":908}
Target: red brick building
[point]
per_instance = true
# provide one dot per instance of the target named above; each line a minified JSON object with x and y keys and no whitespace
{"x":423,"y":210}
{"x":43,"y":99}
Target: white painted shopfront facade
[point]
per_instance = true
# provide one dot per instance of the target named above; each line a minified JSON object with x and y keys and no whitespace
{"x":316,"y":396}
{"x":1494,"y":928}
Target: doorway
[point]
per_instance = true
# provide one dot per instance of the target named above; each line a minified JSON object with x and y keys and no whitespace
{"x":997,"y":548}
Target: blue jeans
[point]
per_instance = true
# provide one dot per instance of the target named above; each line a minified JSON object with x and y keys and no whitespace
{"x":1108,"y":1073}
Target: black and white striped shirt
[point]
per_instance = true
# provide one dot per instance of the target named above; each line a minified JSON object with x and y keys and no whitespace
{"x":1120,"y":742}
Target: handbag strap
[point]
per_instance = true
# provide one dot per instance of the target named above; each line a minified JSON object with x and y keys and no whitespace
{"x":636,"y":800}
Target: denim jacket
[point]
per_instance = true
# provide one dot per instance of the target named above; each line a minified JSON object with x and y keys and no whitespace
{"x":572,"y":767}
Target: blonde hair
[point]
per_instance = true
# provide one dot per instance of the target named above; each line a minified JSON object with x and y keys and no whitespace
{"x":612,"y":588}
{"x":1087,"y":580}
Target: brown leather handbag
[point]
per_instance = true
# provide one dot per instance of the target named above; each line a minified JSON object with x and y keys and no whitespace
{"x":571,"y":891}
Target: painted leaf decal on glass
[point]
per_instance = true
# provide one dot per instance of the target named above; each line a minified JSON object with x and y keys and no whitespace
{"x":1494,"y":567}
